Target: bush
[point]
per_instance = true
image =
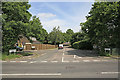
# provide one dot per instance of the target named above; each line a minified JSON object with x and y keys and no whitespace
{"x":105,"y":54}
{"x":76,"y":45}
{"x":83,"y":44}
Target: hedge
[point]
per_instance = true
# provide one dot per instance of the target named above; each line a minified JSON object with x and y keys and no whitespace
{"x":83,"y":44}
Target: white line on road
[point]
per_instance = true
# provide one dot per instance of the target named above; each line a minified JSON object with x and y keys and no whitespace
{"x":96,"y":60}
{"x":62,"y":59}
{"x":43,"y":61}
{"x":79,"y":57}
{"x":12,"y":61}
{"x":86,"y":60}
{"x":54,"y":61}
{"x":63,"y":54}
{"x":110,"y":72}
{"x":74,"y":56}
{"x":66,"y":61}
{"x":23,"y":61}
{"x":33,"y":61}
{"x":44,"y":74}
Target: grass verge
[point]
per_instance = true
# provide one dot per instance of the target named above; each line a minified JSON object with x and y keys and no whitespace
{"x":5,"y":56}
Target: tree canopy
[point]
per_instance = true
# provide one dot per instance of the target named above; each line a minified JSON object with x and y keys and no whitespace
{"x":68,"y":35}
{"x":16,"y":21}
{"x":103,"y":24}
{"x":56,"y":36}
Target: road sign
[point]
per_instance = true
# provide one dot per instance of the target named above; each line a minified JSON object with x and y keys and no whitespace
{"x":107,"y":49}
{"x":12,"y":50}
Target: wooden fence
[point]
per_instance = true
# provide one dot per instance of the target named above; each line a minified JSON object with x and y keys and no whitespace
{"x":39,"y":46}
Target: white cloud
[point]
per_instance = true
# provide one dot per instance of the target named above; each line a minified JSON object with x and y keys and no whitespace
{"x":49,"y":21}
{"x":45,"y":15}
{"x":49,"y":24}
{"x":64,"y":25}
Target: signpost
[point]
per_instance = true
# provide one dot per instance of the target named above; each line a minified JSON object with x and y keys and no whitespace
{"x":12,"y":51}
{"x":107,"y":50}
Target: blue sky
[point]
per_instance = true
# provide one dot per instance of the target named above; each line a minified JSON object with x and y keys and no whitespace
{"x":67,"y":15}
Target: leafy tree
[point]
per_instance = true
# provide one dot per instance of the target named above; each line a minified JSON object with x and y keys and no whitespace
{"x":36,"y":30}
{"x":17,"y":11}
{"x":56,"y":36}
{"x":68,"y":35}
{"x":103,"y":24}
{"x":15,"y":20}
{"x":77,"y":37}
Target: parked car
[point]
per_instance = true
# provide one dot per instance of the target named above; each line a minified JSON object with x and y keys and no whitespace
{"x":60,"y":46}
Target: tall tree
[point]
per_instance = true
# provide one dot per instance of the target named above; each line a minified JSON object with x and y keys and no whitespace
{"x":68,"y":35}
{"x":15,"y":20}
{"x":56,"y":36}
{"x":102,"y":25}
{"x":36,"y":30}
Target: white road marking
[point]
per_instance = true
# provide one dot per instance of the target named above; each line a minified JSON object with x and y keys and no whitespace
{"x":75,"y":61}
{"x":63,"y":54}
{"x":12,"y":61}
{"x":62,"y":59}
{"x":42,"y":74}
{"x":23,"y":61}
{"x":66,"y":61}
{"x":43,"y":61}
{"x":86,"y":60}
{"x":33,"y":61}
{"x":54,"y":61}
{"x":79,"y":57}
{"x":110,"y":72}
{"x":96,"y":60}
{"x":74,"y":56}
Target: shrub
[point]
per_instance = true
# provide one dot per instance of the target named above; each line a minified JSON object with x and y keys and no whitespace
{"x":83,"y":44}
{"x":76,"y":45}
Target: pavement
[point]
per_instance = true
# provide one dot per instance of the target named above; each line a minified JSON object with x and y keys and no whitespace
{"x":63,"y":63}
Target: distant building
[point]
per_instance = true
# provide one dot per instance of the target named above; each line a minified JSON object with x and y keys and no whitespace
{"x":23,"y":39}
{"x":34,"y":40}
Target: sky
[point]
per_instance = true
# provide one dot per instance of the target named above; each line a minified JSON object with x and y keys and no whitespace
{"x":67,"y":15}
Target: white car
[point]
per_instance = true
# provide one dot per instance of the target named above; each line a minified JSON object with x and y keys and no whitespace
{"x":60,"y":46}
